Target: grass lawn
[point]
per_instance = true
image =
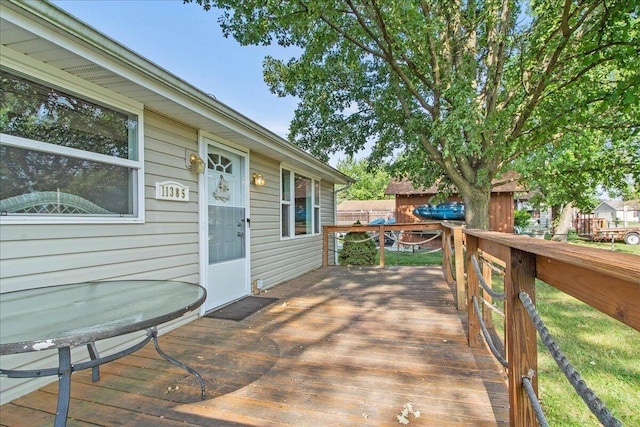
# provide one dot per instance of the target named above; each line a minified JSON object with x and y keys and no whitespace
{"x":604,"y":351}
{"x":419,"y":257}
{"x":616,"y":247}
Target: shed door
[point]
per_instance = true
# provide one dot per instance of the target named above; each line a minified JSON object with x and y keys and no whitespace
{"x":228,"y":266}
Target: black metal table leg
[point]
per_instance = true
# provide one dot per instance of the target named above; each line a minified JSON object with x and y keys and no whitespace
{"x":93,"y":353}
{"x":154,"y":334}
{"x":64,"y":386}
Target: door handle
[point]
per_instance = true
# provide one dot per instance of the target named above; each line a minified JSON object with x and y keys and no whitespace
{"x":240,"y":233}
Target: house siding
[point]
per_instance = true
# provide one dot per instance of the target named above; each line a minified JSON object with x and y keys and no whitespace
{"x":47,"y":44}
{"x":275,"y":260}
{"x":34,"y":255}
{"x":164,"y":247}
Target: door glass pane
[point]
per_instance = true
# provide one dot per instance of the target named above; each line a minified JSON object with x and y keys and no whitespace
{"x":226,"y":233}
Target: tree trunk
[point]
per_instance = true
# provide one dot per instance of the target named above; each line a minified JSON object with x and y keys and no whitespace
{"x":564,"y":223}
{"x":476,"y":206}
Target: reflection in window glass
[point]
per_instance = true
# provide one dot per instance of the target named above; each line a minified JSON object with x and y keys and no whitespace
{"x":32,"y":172}
{"x":93,"y":174}
{"x":225,"y":243}
{"x":220,"y":163}
{"x":303,"y":206}
{"x":33,"y":111}
{"x":286,"y":185}
{"x":316,"y":207}
{"x":286,"y":231}
{"x":300,"y":213}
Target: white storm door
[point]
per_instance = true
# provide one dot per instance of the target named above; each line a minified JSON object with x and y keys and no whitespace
{"x":227,"y":189}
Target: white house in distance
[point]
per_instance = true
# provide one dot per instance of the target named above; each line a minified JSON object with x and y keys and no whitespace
{"x":618,"y":211}
{"x":114,"y":168}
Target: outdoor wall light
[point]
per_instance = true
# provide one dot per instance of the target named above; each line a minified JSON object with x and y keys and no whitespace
{"x":194,"y":162}
{"x":259,"y":180}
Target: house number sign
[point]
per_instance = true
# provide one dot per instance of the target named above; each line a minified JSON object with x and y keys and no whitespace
{"x":170,"y":190}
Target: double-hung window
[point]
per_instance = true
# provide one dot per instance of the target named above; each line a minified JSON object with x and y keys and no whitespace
{"x":300,"y":204}
{"x":64,"y":157}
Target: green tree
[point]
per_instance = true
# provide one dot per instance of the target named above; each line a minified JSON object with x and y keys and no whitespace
{"x":574,"y":171}
{"x":371,"y":180}
{"x":460,"y":89}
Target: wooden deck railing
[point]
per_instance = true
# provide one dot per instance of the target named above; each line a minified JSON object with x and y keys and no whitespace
{"x":398,"y":229}
{"x":610,"y":284}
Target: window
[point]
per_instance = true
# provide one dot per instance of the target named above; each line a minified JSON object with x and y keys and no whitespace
{"x":65,"y":156}
{"x":316,"y":207}
{"x":300,"y":204}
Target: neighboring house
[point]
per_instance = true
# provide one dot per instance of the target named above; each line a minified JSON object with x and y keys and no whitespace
{"x":501,"y":207}
{"x":114,"y":168}
{"x":365,"y":211}
{"x":618,"y":211}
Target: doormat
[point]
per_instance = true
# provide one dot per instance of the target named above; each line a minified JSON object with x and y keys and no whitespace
{"x":242,"y":309}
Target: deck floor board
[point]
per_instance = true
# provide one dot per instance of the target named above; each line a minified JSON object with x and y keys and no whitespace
{"x":341,"y":347}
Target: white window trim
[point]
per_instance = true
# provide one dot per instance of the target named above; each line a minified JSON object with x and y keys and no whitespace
{"x":53,"y":77}
{"x":293,"y":171}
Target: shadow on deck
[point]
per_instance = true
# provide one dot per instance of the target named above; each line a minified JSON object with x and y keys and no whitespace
{"x":342,"y":347}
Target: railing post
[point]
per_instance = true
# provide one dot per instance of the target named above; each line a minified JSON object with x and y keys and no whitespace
{"x":325,"y":247}
{"x":458,"y":248}
{"x":521,"y":338}
{"x":381,"y":244}
{"x":446,"y":256}
{"x":473,"y":289}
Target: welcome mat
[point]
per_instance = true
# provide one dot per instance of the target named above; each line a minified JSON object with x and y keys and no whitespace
{"x":242,"y":309}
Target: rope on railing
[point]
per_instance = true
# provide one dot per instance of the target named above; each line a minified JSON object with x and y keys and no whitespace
{"x":492,"y":307}
{"x":483,"y":283}
{"x":486,"y":334}
{"x":449,"y":245}
{"x":373,"y":236}
{"x":496,"y":269}
{"x":450,"y":263}
{"x":422,"y":242}
{"x":535,"y":403}
{"x":593,"y":402}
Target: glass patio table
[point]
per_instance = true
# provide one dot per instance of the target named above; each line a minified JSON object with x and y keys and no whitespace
{"x":65,"y":316}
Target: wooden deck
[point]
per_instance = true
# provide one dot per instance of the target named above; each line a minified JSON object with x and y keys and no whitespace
{"x":342,"y":347}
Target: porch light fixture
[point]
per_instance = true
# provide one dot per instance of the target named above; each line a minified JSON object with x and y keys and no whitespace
{"x":194,"y":162}
{"x":259,"y":180}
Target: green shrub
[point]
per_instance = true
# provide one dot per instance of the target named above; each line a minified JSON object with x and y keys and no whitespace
{"x":521,"y":218}
{"x":358,"y":249}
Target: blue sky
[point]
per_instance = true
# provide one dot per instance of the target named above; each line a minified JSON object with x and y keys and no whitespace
{"x":187,"y":41}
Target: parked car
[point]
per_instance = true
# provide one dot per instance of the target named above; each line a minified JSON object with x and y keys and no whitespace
{"x":447,"y":210}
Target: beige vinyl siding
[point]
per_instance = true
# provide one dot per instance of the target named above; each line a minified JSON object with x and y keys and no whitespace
{"x":328,"y":214}
{"x":164,"y":247}
{"x":276,"y":260}
{"x":327,"y":203}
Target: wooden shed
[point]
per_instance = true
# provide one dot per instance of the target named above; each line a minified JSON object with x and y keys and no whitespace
{"x":501,"y":208}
